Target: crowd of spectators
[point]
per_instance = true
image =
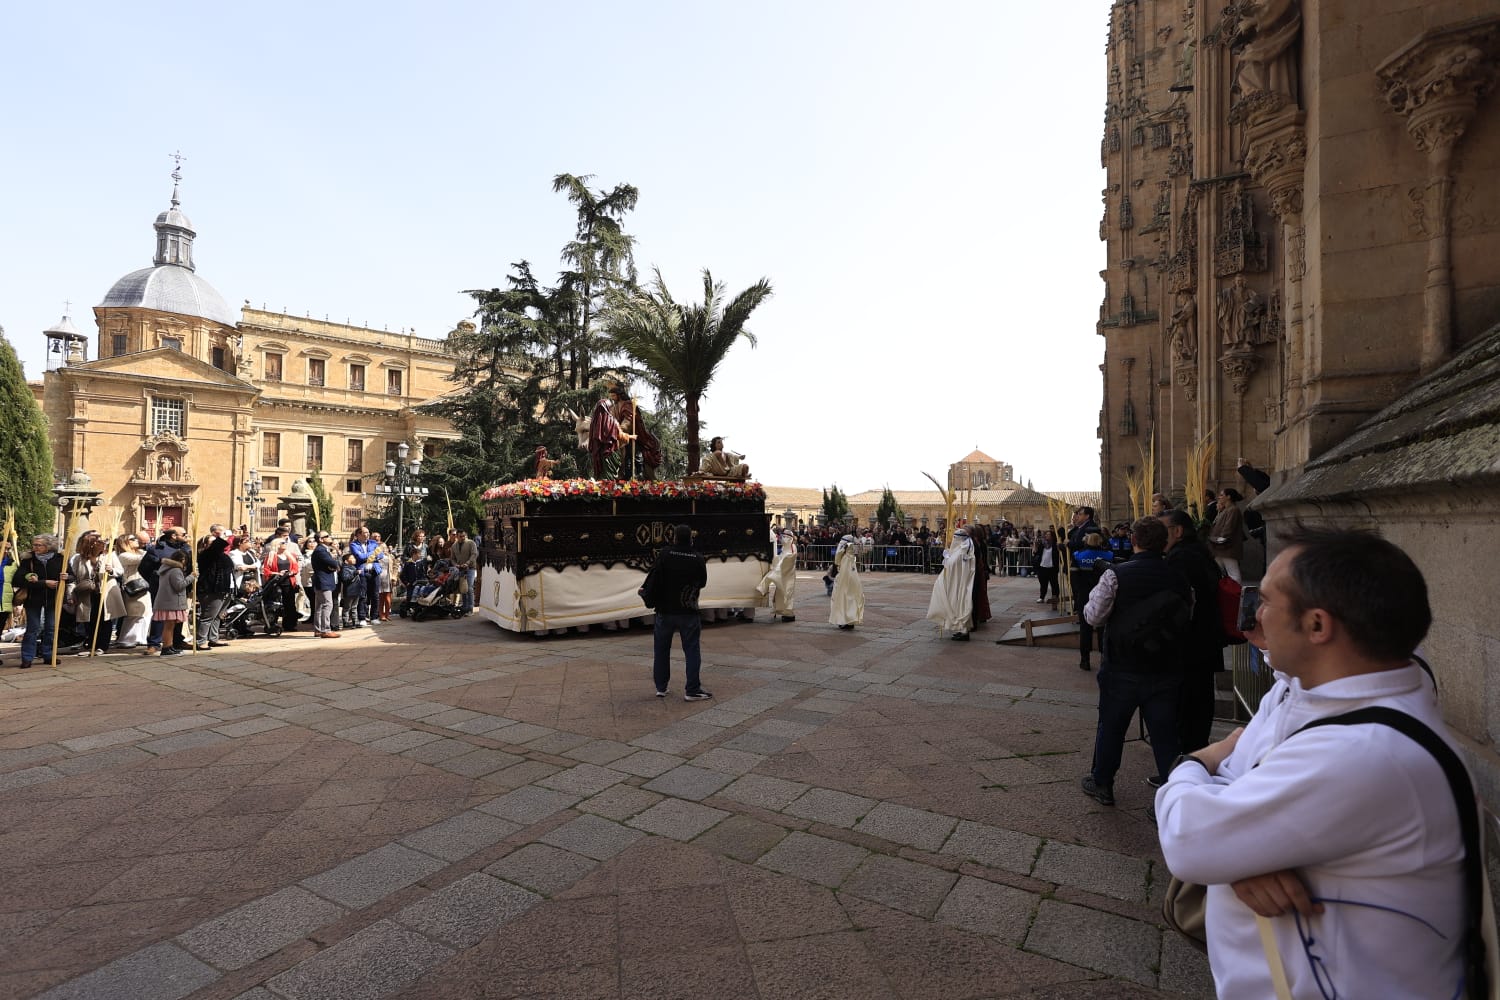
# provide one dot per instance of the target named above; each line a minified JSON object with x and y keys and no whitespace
{"x":142,"y":592}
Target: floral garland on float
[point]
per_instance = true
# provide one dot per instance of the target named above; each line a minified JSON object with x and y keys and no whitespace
{"x":544,"y":490}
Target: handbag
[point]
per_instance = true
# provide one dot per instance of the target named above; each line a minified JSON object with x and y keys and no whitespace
{"x":1184,"y":908}
{"x":136,"y":587}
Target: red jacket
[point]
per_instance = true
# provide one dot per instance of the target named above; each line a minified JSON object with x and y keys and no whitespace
{"x":268,"y":568}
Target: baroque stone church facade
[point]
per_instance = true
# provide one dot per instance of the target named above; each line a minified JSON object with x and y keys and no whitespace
{"x":185,"y":399}
{"x":1303,"y":227}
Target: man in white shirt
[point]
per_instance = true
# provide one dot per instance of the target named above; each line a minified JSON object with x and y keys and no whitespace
{"x":1347,"y":836}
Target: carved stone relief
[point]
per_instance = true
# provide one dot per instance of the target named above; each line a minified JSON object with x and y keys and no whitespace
{"x":1239,"y":247}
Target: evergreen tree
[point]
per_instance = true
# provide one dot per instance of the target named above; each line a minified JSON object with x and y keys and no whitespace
{"x":887,"y":508}
{"x":26,"y":460}
{"x":835,"y":504}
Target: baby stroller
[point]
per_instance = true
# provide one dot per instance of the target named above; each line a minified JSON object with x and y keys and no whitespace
{"x":440,"y":595}
{"x":258,"y":609}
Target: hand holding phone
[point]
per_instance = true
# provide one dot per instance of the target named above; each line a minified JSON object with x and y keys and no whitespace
{"x":1249,"y":605}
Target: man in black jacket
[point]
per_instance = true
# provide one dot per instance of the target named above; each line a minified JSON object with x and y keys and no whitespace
{"x":325,"y":581}
{"x":215,"y":581}
{"x":1203,"y":648}
{"x":1144,"y":606}
{"x":680,"y":573}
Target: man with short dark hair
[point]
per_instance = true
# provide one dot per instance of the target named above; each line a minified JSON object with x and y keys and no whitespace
{"x":465,"y":556}
{"x":325,"y":566}
{"x":680,"y":574}
{"x":1141,"y":604}
{"x":1203,"y":649}
{"x":1347,"y":836}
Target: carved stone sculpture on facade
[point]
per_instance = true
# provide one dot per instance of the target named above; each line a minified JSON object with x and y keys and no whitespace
{"x":1266,"y":39}
{"x":1182,"y":328}
{"x":1241,"y":315}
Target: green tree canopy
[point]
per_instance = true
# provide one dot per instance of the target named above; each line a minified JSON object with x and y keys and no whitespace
{"x":26,"y":460}
{"x":888,"y":508}
{"x":680,"y":346}
{"x":322,"y":502}
{"x":835,"y":504}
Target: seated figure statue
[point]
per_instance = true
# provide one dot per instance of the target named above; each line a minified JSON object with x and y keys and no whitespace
{"x":724,"y":464}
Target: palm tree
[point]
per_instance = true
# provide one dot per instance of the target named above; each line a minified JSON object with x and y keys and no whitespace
{"x":680,"y":346}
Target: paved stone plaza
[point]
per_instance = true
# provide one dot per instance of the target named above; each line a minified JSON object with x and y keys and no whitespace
{"x":442,"y":810}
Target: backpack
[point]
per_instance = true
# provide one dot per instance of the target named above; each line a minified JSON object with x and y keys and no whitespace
{"x":1229,"y":611}
{"x":1152,"y":626}
{"x":647,"y":592}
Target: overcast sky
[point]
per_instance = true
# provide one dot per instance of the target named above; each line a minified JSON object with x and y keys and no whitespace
{"x":920,"y":184}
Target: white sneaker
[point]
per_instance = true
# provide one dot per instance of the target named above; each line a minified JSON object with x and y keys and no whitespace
{"x":362,"y":622}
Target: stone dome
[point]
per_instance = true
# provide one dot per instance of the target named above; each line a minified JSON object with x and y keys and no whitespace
{"x":171,"y":285}
{"x":170,"y":288}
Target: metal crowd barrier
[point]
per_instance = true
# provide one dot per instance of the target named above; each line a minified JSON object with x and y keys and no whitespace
{"x":1252,"y":678}
{"x":880,"y":559}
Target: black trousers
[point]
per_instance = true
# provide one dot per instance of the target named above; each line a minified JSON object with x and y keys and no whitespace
{"x":1047,"y":576}
{"x":1195,"y":710}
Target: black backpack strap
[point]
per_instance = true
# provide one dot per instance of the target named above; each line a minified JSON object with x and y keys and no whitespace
{"x":1476,"y":975}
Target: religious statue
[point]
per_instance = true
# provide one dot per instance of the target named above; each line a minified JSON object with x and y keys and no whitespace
{"x":1241,"y":313}
{"x":1182,"y":328}
{"x":1267,"y":42}
{"x":164,"y":466}
{"x":606,"y":436}
{"x":724,"y":464}
{"x":647,"y":447}
{"x":544,"y":465}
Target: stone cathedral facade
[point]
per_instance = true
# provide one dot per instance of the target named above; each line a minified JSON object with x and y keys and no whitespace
{"x":1303,"y":227}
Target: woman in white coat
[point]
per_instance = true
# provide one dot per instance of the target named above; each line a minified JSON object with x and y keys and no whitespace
{"x":847,"y":606}
{"x":129,"y":602}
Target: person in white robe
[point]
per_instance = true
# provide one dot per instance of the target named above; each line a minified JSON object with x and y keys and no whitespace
{"x":722,"y":464}
{"x":952,"y":604}
{"x":781,"y":580}
{"x":847,"y":606}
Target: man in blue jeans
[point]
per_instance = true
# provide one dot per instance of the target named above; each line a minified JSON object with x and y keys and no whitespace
{"x":1144,"y":607}
{"x":680,"y":574}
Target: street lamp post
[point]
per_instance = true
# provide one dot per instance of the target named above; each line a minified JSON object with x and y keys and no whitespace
{"x":401,"y":482}
{"x":251,"y":500}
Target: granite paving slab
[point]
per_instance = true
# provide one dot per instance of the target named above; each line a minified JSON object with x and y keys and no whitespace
{"x":689,"y":782}
{"x":592,"y":836}
{"x":1094,"y":939}
{"x":261,"y":927}
{"x":825,"y":805}
{"x":815,"y":859}
{"x":375,"y":962}
{"x":545,"y":869}
{"x":677,"y":819}
{"x":461,"y":914}
{"x":361,"y":881}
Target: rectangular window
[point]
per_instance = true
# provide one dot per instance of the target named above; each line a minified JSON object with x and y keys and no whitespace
{"x":273,"y":368}
{"x":357,"y":378}
{"x":354,"y":486}
{"x":175,"y":343}
{"x":353,"y":519}
{"x":315,"y":371}
{"x":270,"y":450}
{"x":118,"y":344}
{"x":393,"y":381}
{"x":168,"y":416}
{"x":391,"y":453}
{"x":315,"y":451}
{"x":268,"y":516}
{"x":219,"y":359}
{"x":356,"y":455}
{"x":270,"y":484}
{"x":431,"y":450}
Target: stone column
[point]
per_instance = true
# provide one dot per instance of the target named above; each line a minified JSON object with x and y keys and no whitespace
{"x":299,"y":507}
{"x":74,"y":500}
{"x":1436,"y":82}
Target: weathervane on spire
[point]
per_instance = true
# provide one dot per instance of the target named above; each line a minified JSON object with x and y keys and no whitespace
{"x":177,"y":157}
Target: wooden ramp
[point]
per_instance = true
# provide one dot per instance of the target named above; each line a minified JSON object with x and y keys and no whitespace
{"x":1060,"y":631}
